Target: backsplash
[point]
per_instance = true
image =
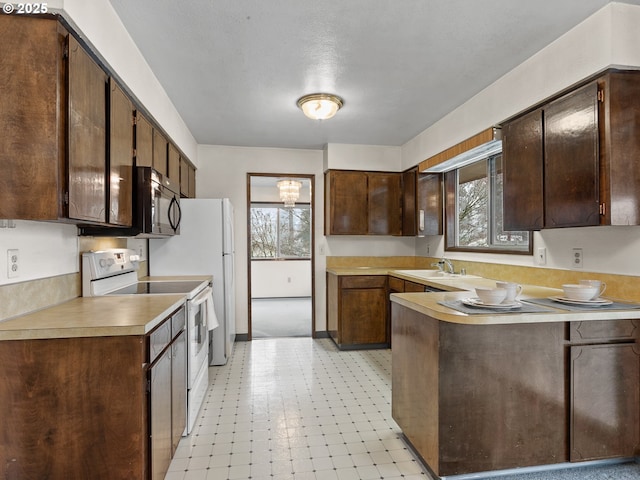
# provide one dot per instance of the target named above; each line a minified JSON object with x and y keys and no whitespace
{"x":622,"y":287}
{"x":31,"y":295}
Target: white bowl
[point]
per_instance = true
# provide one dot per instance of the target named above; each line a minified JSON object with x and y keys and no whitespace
{"x":491,"y":296}
{"x":581,"y":293}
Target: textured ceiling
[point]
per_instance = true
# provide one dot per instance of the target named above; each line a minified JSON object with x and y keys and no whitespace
{"x":235,"y":68}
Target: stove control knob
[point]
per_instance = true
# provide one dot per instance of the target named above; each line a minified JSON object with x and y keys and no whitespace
{"x":106,"y":262}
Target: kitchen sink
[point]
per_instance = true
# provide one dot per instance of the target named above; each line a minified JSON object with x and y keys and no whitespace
{"x":432,"y":273}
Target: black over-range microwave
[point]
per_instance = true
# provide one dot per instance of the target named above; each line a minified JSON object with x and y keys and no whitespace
{"x":156,"y":204}
{"x":156,"y":208}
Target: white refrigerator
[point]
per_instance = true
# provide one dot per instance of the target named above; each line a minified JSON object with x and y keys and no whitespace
{"x":204,"y":247}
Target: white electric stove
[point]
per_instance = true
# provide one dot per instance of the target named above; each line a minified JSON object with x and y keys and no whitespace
{"x":115,"y":272}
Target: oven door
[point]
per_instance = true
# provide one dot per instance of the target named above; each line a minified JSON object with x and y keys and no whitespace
{"x":198,"y":334}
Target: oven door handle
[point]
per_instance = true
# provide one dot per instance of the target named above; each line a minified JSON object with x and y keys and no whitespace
{"x":202,"y":297}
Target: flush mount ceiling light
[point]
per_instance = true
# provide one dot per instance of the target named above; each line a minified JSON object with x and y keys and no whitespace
{"x":320,"y":106}
{"x":289,"y":191}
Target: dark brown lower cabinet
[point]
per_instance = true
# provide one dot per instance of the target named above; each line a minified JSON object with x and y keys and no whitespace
{"x":88,"y":407}
{"x":160,"y":405}
{"x":477,"y":398}
{"x":604,"y":415}
{"x":357,"y":311}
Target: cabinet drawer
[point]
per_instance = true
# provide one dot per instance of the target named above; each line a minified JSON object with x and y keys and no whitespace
{"x":364,"y":281}
{"x":159,"y":339}
{"x":177,"y":322}
{"x":602,"y":330}
{"x":413,"y":287}
{"x":396,"y":284}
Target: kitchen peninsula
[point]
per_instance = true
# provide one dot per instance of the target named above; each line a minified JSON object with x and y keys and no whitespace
{"x":485,"y":392}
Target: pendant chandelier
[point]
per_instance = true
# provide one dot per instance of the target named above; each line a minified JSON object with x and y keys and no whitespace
{"x":289,"y":191}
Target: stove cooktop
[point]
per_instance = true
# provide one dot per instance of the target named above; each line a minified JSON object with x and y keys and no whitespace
{"x":158,"y":288}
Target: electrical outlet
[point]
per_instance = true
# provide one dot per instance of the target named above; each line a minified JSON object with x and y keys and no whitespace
{"x":541,"y":257}
{"x":13,"y":263}
{"x":577,"y":258}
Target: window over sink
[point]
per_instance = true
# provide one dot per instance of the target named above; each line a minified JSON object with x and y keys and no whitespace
{"x":474,"y":210}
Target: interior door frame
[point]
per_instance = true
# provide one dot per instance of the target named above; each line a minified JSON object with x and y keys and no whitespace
{"x":311,"y":178}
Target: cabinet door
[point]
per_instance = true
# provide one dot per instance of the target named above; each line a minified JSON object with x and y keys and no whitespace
{"x":620,"y":183}
{"x":192,"y":182}
{"x":160,"y":416}
{"x":87,"y":144}
{"x":159,"y":152}
{"x":571,"y":186}
{"x":363,"y":316}
{"x":347,"y":203}
{"x":409,"y":214}
{"x":384,"y":204}
{"x":31,"y":118}
{"x":605,"y":395}
{"x":429,"y":193}
{"x":120,"y":157}
{"x":173,"y":165}
{"x":178,"y":390}
{"x":523,"y":163}
{"x":144,"y":141}
{"x":184,"y":178}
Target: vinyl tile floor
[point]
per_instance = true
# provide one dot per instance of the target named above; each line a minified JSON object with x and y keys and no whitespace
{"x":300,"y":409}
{"x":297,"y":408}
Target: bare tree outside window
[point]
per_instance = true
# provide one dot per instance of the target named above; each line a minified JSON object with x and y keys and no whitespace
{"x":279,"y":232}
{"x":480,"y":209}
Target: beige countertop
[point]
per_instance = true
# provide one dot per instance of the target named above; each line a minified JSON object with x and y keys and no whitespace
{"x":93,"y":317}
{"x":427,"y":304}
{"x":461,"y":286}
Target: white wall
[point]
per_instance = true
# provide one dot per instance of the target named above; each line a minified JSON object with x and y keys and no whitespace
{"x":276,"y":279}
{"x":362,"y":157}
{"x":45,"y":250}
{"x":608,"y":38}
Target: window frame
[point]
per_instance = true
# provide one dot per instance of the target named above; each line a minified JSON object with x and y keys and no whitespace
{"x":451,"y":217}
{"x":278,"y":206}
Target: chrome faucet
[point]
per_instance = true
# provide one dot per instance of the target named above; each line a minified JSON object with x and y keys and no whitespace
{"x":441,"y":265}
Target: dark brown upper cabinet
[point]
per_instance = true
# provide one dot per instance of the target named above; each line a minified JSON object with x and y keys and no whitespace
{"x":33,"y":183}
{"x":572,"y":161}
{"x":430,"y":203}
{"x":384,"y":205}
{"x":143,"y":141}
{"x":422,"y":207}
{"x":522,"y":154}
{"x":187,"y":178}
{"x":54,"y":123}
{"x":159,"y":152}
{"x":87,"y":136}
{"x":362,"y":203}
{"x":409,"y":202}
{"x":571,"y":173}
{"x":120,"y":156}
{"x":173,"y":164}
{"x":346,"y":203}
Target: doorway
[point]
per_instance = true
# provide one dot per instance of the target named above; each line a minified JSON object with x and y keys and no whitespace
{"x":280,"y":234}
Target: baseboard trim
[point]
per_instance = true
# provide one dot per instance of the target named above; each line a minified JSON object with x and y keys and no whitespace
{"x":322,"y":334}
{"x":242,"y":337}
